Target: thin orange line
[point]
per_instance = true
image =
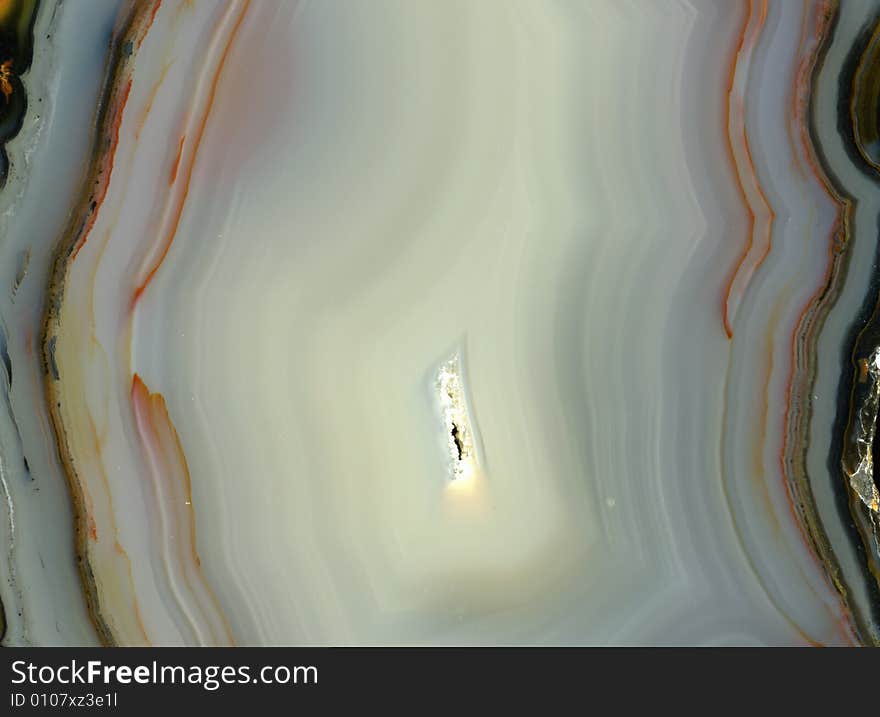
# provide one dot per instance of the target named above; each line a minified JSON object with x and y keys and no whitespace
{"x":735,"y":104}
{"x":149,"y":23}
{"x":730,"y":83}
{"x":798,"y":131}
{"x":176,"y":161}
{"x":189,"y":167}
{"x":104,"y":182}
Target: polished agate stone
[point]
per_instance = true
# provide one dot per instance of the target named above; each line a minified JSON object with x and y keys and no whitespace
{"x":508,"y":322}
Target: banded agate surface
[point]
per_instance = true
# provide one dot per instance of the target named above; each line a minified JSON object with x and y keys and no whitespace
{"x":385,"y":322}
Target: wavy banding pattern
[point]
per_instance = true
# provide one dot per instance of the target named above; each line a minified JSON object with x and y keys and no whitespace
{"x":375,"y":322}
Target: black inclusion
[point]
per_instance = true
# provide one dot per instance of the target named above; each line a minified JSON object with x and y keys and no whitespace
{"x":862,"y":318}
{"x":16,"y":53}
{"x":458,"y":442}
{"x":875,"y":451}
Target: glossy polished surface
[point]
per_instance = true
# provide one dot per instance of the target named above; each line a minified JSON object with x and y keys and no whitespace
{"x":384,"y":322}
